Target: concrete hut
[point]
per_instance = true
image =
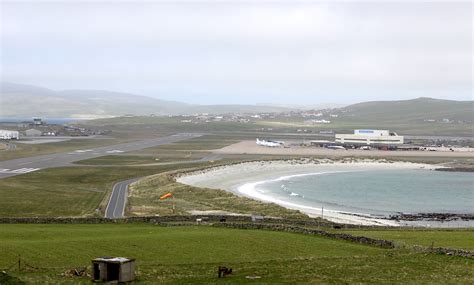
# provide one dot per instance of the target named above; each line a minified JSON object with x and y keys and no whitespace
{"x":119,"y":269}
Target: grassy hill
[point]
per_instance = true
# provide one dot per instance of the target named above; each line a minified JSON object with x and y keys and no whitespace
{"x":415,"y":110}
{"x":26,"y":100}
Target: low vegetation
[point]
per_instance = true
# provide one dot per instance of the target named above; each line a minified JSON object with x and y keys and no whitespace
{"x":184,"y":255}
{"x":144,"y":199}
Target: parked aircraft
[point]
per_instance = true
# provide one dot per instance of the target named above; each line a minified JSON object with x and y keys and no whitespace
{"x":270,"y":143}
{"x":335,"y":147}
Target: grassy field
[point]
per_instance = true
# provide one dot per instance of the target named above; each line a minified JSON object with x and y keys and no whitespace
{"x":184,"y":255}
{"x":67,"y":191}
{"x":144,"y":199}
{"x":458,"y":238}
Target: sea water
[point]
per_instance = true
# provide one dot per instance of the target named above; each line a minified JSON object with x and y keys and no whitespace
{"x":376,"y":192}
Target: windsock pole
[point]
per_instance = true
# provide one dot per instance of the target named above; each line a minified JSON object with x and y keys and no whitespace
{"x":172,"y":203}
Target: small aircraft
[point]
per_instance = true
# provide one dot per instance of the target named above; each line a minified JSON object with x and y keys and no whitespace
{"x":270,"y":143}
{"x":335,"y":147}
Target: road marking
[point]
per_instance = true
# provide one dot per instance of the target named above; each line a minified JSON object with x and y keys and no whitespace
{"x":18,"y":171}
{"x":114,"y":151}
{"x":116,"y":201}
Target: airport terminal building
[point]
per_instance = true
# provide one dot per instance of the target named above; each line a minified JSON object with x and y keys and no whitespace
{"x":370,"y":138}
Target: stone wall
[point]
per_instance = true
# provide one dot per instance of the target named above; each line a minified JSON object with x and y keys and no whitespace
{"x":306,"y":231}
{"x":445,"y":251}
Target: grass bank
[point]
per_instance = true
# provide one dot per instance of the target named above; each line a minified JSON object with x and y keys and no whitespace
{"x":144,"y":199}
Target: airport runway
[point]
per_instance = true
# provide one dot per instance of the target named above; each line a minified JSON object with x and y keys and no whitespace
{"x":29,"y":164}
{"x":118,"y":199}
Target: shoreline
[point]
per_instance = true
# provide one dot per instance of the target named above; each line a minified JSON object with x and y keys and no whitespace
{"x":242,"y":178}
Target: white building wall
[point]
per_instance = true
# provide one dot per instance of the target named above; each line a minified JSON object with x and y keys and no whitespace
{"x":370,"y":137}
{"x":372,"y":132}
{"x":9,"y":135}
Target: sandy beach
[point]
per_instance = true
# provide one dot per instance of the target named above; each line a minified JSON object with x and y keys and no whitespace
{"x":242,"y":178}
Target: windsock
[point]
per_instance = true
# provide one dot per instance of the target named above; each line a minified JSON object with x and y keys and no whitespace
{"x":166,"y":196}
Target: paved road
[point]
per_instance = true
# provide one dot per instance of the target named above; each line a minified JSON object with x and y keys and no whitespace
{"x":29,"y":164}
{"x":118,"y":199}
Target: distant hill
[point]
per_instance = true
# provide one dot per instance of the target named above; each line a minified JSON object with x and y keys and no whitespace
{"x":415,"y":110}
{"x":27,"y":100}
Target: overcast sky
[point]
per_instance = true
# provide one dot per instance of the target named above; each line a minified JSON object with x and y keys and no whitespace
{"x":250,"y":52}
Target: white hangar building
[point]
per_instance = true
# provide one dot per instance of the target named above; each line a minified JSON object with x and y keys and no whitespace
{"x":9,"y":135}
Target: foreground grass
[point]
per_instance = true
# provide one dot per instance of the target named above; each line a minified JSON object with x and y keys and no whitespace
{"x":456,"y":238}
{"x":184,"y":255}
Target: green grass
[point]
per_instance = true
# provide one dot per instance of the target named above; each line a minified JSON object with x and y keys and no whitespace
{"x":67,"y":191}
{"x":184,"y":255}
{"x":457,"y":238}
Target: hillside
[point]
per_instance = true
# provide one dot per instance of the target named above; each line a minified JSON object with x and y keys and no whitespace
{"x":27,"y":100}
{"x":416,"y":110}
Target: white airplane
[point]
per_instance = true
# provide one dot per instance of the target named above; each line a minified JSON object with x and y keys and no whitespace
{"x":270,"y":143}
{"x":335,"y":147}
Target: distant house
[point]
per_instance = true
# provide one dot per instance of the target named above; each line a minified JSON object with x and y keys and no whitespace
{"x":33,"y":133}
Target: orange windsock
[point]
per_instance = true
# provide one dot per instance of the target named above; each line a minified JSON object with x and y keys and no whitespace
{"x":166,"y":196}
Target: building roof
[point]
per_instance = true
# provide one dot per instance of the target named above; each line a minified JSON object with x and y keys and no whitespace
{"x":110,"y":259}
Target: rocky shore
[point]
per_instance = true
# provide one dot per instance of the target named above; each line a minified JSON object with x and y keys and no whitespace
{"x":439,"y":217}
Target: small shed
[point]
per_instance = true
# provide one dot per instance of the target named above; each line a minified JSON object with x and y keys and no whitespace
{"x":119,"y":269}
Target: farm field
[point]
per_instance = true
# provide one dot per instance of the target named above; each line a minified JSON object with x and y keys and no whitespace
{"x":183,"y":255}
